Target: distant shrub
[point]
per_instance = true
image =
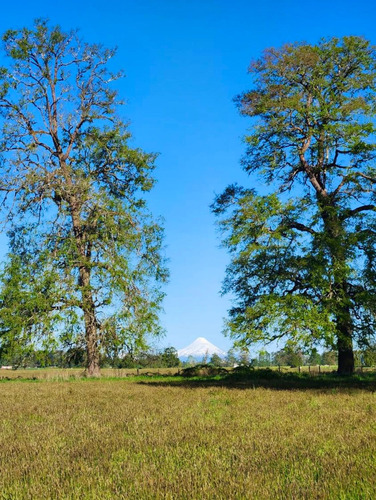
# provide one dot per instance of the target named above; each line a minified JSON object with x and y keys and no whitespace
{"x":202,"y":370}
{"x":242,"y":370}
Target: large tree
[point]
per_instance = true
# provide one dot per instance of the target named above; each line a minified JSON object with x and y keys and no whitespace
{"x":85,"y":254}
{"x":303,"y":264}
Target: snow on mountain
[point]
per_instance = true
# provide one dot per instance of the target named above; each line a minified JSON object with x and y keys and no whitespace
{"x":199,"y":348}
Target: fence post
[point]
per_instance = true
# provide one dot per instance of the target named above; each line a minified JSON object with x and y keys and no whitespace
{"x":138,"y":371}
{"x":299,"y":368}
{"x":319,"y":368}
{"x":279,"y":368}
{"x":309,"y":368}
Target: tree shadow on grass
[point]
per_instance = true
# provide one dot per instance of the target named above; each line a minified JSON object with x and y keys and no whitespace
{"x":269,"y":379}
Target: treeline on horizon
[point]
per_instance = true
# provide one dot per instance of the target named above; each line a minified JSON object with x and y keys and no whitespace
{"x":168,"y":358}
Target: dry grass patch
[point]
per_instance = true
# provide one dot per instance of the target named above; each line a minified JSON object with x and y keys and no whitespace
{"x":57,"y":374}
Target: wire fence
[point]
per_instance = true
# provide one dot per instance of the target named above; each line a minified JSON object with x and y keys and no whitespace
{"x":315,"y":369}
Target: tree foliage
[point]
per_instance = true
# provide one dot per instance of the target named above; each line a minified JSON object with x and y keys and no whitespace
{"x":75,"y":187}
{"x":290,"y":355}
{"x":303,"y":264}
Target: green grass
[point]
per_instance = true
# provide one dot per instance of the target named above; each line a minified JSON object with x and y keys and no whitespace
{"x":176,"y":438}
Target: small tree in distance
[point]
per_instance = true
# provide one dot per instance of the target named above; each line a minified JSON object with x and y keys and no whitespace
{"x":216,"y":360}
{"x":243,"y":358}
{"x":290,"y":355}
{"x":231,"y":359}
{"x":263,"y":358}
{"x":314,"y":357}
{"x":85,"y":254}
{"x":329,"y":358}
{"x":169,"y":357}
{"x":205,"y":358}
{"x":303,"y":255}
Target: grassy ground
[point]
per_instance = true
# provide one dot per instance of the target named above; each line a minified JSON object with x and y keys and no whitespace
{"x":57,"y":374}
{"x":173,"y":438}
{"x":74,"y":373}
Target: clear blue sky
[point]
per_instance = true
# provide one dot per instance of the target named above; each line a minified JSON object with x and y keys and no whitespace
{"x":185,"y":60}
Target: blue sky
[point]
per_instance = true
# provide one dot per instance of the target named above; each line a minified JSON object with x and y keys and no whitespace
{"x":185,"y":61}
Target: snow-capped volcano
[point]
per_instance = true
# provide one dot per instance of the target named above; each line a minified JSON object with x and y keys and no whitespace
{"x":199,"y":348}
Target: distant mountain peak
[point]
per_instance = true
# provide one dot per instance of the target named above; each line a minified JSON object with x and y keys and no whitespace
{"x":199,"y":348}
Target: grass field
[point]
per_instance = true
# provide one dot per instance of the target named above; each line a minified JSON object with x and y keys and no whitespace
{"x":75,"y":373}
{"x":172,"y":438}
{"x":57,"y":374}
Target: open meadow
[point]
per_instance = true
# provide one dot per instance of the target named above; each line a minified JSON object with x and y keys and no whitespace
{"x":173,"y":438}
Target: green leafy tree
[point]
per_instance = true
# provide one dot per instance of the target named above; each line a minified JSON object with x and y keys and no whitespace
{"x":216,"y":360}
{"x":329,"y":358}
{"x":231,"y":358}
{"x":303,"y":254}
{"x":368,"y":357}
{"x":29,"y":310}
{"x":279,"y":358}
{"x":263,"y":358}
{"x":290,"y":355}
{"x":169,"y":358}
{"x":243,"y":358}
{"x":68,"y":170}
{"x":314,"y":357}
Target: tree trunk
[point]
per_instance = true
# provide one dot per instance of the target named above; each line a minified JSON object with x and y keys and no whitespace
{"x":341,"y":308}
{"x":93,"y":368}
{"x":345,"y":344}
{"x":345,"y":358}
{"x":91,"y":333}
{"x":87,"y":305}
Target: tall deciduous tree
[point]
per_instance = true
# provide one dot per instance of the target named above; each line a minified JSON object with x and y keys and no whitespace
{"x":303,"y":263}
{"x":71,"y":176}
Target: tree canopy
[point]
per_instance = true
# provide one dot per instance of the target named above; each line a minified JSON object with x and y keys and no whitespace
{"x":85,"y":261}
{"x":302,"y":253}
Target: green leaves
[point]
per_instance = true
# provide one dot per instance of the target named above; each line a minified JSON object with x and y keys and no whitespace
{"x":70,"y":172}
{"x":309,"y":97}
{"x":301,"y":260}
